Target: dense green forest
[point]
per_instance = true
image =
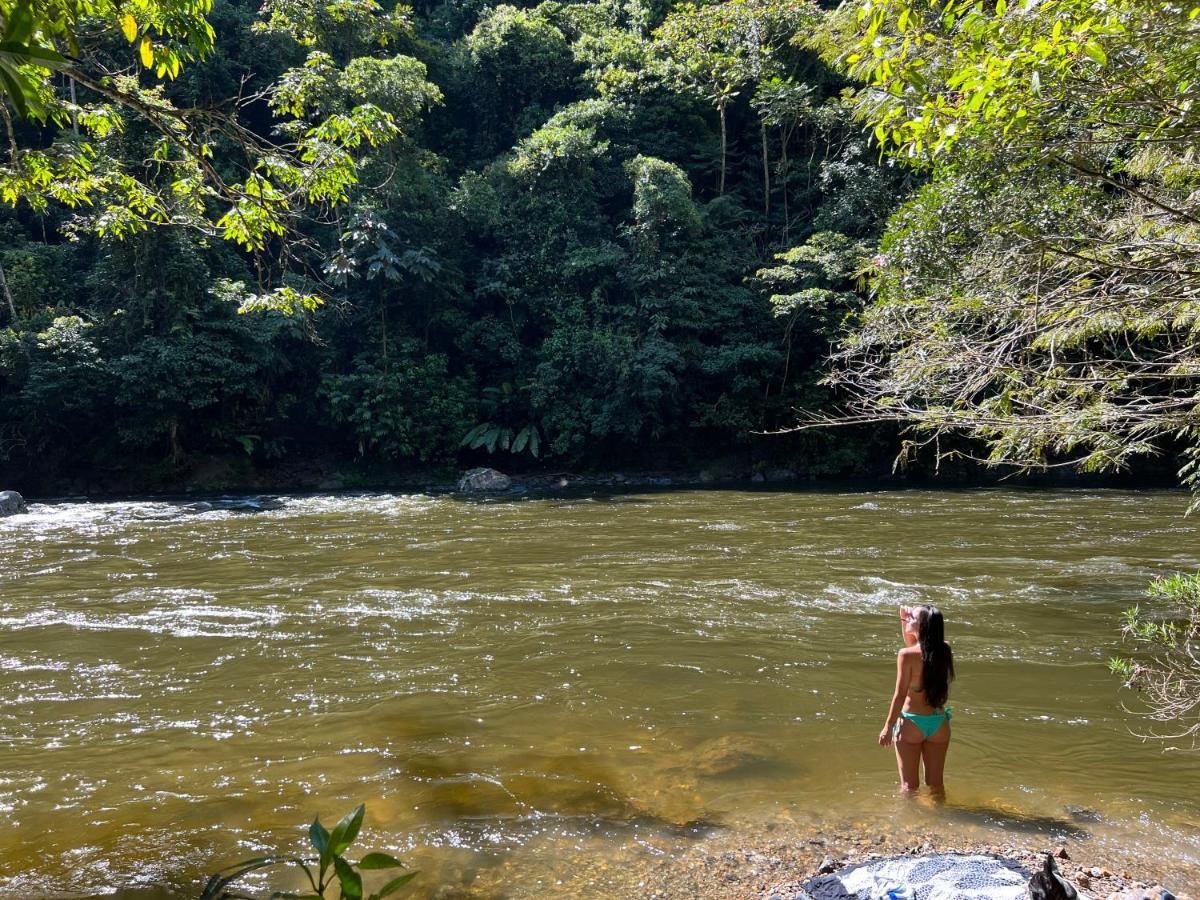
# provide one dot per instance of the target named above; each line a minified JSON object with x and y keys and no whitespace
{"x":595,"y":234}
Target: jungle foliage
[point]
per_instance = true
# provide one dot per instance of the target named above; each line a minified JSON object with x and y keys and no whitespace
{"x":576,"y":231}
{"x":1041,"y":291}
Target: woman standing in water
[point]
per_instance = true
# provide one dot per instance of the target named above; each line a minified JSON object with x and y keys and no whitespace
{"x":918,"y":721}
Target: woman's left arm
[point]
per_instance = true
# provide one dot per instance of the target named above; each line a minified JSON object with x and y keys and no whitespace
{"x":885,"y":736}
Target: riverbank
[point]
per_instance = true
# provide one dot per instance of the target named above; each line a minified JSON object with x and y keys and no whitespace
{"x":299,"y":482}
{"x":318,"y":472}
{"x":764,"y":867}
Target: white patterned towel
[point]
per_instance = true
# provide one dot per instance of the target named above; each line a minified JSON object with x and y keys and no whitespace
{"x":946,"y":876}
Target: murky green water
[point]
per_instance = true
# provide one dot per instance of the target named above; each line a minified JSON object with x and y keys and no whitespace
{"x":522,"y":691}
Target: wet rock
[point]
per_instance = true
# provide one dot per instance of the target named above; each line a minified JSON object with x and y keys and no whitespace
{"x":1158,"y":892}
{"x":780,"y":474}
{"x":236,"y":504}
{"x":827,"y":866}
{"x":12,"y":503}
{"x":758,"y":478}
{"x":483,"y":481}
{"x":1062,"y":853}
{"x":331,"y":484}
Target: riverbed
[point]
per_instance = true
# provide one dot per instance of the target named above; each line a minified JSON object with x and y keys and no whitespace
{"x":552,"y":695}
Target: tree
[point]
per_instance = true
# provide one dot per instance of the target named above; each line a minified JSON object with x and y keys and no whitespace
{"x":265,"y":185}
{"x":713,"y":50}
{"x":1041,"y":292}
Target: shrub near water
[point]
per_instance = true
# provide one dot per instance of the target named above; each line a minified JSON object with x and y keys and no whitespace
{"x":1167,"y":676}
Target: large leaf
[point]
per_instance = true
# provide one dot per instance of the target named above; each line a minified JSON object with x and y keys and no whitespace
{"x":215,"y":887}
{"x":32,"y":53}
{"x":379,"y":861}
{"x":318,"y":836}
{"x":394,"y":885}
{"x":473,"y":434}
{"x":346,"y":831}
{"x":351,"y":881}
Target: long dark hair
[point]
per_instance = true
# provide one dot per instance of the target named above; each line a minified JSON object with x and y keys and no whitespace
{"x":937,"y":662}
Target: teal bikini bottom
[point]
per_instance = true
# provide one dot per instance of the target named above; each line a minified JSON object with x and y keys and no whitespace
{"x":929,"y":725}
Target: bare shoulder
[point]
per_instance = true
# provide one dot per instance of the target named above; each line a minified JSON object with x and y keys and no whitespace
{"x":908,"y":652}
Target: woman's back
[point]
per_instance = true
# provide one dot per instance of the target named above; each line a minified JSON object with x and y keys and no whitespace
{"x":916,"y":701}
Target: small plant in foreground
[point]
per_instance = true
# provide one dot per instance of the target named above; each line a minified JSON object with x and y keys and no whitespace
{"x":325,"y":871}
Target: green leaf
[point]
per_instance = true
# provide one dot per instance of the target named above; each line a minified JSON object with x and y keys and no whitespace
{"x":394,"y":885}
{"x":346,"y":831}
{"x":19,"y":26}
{"x":473,"y":435}
{"x":351,"y":881}
{"x":318,"y":836}
{"x":15,"y":90}
{"x":146,"y":50}
{"x":1095,"y":53}
{"x":43,"y":56}
{"x":379,"y":861}
{"x":129,"y":27}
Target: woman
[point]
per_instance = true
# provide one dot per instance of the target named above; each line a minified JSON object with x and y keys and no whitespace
{"x":918,"y":721}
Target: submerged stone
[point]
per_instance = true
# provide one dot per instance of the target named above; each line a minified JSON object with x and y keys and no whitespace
{"x":730,"y":754}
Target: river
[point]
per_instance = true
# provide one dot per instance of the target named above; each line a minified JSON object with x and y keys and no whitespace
{"x":543,"y":695}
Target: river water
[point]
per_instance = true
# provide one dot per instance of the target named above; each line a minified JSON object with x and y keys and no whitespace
{"x":525,"y":690}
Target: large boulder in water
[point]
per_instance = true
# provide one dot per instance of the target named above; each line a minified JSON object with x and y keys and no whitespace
{"x":11,"y":503}
{"x":484,"y":481}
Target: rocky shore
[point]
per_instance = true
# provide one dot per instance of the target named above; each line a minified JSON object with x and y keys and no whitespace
{"x":766,"y":869}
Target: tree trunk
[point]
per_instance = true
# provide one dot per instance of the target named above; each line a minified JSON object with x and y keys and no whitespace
{"x":12,"y":309}
{"x":176,"y":447}
{"x":721,"y":183}
{"x":766,"y":174}
{"x":74,"y":112}
{"x":783,"y":167}
{"x":383,"y":341}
